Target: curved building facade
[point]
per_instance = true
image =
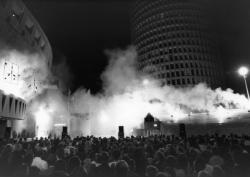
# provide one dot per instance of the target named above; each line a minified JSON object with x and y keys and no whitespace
{"x":19,"y":31}
{"x":176,"y":43}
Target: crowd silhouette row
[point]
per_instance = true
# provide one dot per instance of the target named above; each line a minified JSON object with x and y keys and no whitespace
{"x":154,"y":156}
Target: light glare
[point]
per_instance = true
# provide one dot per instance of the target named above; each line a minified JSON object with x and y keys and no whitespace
{"x":43,"y":122}
{"x":243,"y":71}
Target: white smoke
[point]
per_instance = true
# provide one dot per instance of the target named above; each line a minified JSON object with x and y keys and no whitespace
{"x":128,"y":96}
{"x":120,"y":75}
{"x":23,"y":74}
{"x":49,"y":109}
{"x":27,"y":75}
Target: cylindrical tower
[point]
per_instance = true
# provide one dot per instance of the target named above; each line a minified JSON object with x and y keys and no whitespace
{"x":175,"y":42}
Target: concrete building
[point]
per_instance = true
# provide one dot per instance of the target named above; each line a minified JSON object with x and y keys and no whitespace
{"x":19,"y":30}
{"x":176,"y":42}
{"x":11,"y":108}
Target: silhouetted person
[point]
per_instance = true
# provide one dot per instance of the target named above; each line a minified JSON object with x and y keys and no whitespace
{"x":60,"y":169}
{"x":104,"y":169}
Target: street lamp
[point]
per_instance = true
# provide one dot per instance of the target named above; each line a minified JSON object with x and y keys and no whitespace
{"x":243,"y":71}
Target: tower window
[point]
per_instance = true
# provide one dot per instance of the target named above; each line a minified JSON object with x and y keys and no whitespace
{"x":197,"y":72}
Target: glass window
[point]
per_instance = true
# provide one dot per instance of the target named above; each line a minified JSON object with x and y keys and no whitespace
{"x":202,"y":73}
{"x":197,"y":72}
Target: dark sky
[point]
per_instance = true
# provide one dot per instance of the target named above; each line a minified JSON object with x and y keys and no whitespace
{"x":82,"y":29}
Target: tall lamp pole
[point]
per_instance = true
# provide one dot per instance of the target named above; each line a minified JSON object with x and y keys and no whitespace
{"x":243,"y":71}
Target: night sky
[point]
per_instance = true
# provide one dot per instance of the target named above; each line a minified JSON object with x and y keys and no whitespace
{"x":82,"y":30}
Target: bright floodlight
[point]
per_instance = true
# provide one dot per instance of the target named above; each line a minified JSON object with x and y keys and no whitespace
{"x":243,"y":71}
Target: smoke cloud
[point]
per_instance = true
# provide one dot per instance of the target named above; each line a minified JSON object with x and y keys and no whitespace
{"x":23,"y":74}
{"x":26,"y":74}
{"x":127,"y":97}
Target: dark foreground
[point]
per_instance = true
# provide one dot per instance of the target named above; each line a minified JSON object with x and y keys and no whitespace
{"x":161,"y":156}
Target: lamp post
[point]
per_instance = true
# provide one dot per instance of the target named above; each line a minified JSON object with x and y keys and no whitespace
{"x":243,"y":71}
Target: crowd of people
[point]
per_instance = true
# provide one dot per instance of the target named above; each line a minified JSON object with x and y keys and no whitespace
{"x":154,"y":156}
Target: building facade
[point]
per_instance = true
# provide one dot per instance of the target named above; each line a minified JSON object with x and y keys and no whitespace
{"x":20,"y":31}
{"x":176,"y":43}
{"x":11,"y":108}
